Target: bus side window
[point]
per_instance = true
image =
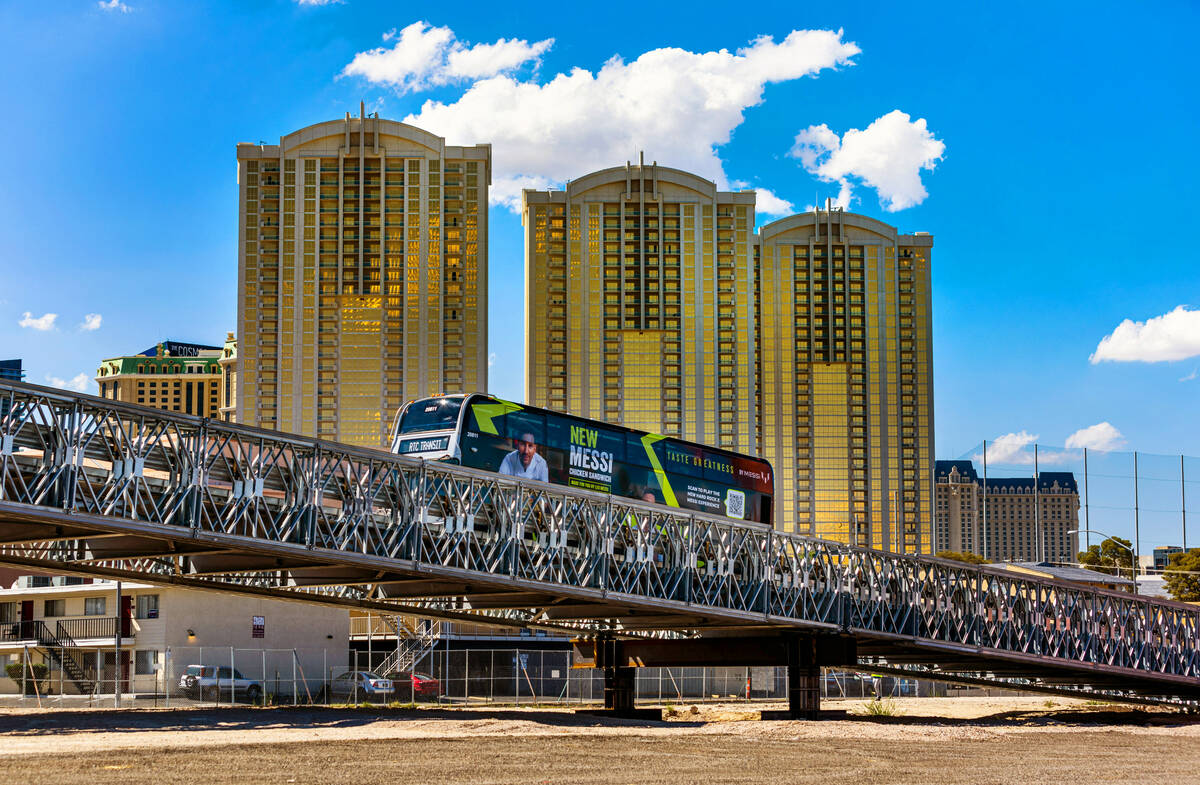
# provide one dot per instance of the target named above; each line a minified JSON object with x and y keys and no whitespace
{"x":765,"y":508}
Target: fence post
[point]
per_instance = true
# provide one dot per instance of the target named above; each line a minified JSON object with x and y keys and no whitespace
{"x":1137,"y":535}
{"x":167,"y":680}
{"x":263,"y":654}
{"x":294,"y":678}
{"x":1183,"y":501}
{"x":325,"y":676}
{"x":985,"y":515}
{"x":232,"y":680}
{"x":24,"y":670}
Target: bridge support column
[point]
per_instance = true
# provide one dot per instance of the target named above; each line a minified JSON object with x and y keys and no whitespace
{"x":804,"y":678}
{"x":620,"y":683}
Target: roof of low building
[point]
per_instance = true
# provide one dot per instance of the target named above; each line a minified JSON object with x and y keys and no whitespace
{"x":966,"y":469}
{"x":1076,"y":574}
{"x":1046,"y":480}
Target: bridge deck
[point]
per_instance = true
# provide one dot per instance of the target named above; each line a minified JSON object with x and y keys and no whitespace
{"x":95,"y":486}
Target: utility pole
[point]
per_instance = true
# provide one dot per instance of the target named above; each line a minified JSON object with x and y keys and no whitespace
{"x":117,"y":648}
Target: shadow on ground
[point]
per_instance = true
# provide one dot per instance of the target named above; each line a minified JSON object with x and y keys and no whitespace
{"x":234,"y":720}
{"x":33,"y":723}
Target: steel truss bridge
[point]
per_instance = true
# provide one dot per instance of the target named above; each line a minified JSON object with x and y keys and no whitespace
{"x":98,"y":487}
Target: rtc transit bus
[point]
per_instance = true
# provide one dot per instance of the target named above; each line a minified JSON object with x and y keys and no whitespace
{"x":488,"y":433}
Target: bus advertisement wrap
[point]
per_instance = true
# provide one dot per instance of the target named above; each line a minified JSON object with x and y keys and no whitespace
{"x":551,"y":447}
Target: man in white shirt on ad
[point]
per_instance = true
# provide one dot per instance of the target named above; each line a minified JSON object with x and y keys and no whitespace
{"x":524,"y":462}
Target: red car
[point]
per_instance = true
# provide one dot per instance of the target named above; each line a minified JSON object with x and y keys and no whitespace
{"x":422,"y":686}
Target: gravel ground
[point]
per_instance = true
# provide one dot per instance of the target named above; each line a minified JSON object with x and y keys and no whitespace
{"x":958,"y":740}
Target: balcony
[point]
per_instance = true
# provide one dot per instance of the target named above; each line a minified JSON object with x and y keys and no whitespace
{"x":87,"y":627}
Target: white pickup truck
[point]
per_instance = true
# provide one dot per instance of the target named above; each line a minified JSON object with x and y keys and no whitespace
{"x":213,"y":683}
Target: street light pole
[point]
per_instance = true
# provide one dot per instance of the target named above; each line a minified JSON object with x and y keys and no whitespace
{"x":1115,"y":541}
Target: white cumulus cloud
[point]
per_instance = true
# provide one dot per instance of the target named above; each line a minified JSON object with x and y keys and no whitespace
{"x":888,"y":155}
{"x":424,"y":56}
{"x":78,"y":383}
{"x":768,"y":203}
{"x":1172,"y":336}
{"x":114,"y":5}
{"x":1017,"y":449}
{"x":90,"y":321}
{"x":1010,"y":448}
{"x":1102,"y":436}
{"x":44,"y":322}
{"x":677,"y":106}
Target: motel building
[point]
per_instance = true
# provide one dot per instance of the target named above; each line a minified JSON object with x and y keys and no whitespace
{"x":71,"y":624}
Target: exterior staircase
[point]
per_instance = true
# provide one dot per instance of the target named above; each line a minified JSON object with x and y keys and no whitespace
{"x":416,"y":637}
{"x":63,"y":649}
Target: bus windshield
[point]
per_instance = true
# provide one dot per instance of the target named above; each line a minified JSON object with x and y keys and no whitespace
{"x":431,"y":414}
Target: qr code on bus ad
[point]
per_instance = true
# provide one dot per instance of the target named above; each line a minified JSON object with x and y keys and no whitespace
{"x":735,"y":504}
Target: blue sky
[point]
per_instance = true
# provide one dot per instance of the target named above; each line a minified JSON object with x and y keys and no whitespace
{"x":1053,"y":150}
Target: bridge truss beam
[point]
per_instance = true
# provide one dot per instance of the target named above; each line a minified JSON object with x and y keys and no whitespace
{"x":92,"y":485}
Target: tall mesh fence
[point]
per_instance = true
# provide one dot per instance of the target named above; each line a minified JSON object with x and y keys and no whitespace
{"x":213,"y":677}
{"x":1150,"y":500}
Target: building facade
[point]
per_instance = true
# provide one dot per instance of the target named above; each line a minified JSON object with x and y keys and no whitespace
{"x":958,"y":508}
{"x":652,"y":302}
{"x":10,"y":370}
{"x":173,"y":376}
{"x":229,"y":375}
{"x":638,"y":303}
{"x":362,"y":276}
{"x":1007,"y":518}
{"x":165,"y":627}
{"x":845,"y":402}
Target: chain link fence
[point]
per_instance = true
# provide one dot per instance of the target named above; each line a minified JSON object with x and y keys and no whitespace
{"x":223,"y":676}
{"x":1152,"y":501}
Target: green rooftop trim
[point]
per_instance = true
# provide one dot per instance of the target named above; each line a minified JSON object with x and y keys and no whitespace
{"x":169,"y":366}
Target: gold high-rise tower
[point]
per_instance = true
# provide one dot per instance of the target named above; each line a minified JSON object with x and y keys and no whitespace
{"x":637,"y":297}
{"x":651,"y":302}
{"x":362,"y":276}
{"x":846,"y":378}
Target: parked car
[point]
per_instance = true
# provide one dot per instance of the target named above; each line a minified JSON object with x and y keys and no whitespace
{"x":359,"y":685}
{"x":213,"y":683}
{"x":416,"y":686}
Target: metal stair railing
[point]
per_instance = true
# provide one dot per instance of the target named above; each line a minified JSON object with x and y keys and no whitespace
{"x":421,"y":635}
{"x":428,"y":633}
{"x":82,"y":674}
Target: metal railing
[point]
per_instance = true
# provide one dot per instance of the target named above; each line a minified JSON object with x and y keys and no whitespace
{"x":88,"y":627}
{"x":348,"y":505}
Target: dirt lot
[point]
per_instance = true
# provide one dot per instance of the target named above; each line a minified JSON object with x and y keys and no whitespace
{"x":959,"y":740}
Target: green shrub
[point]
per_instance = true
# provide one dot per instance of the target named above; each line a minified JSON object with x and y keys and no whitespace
{"x":36,"y":675}
{"x":881,"y":708}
